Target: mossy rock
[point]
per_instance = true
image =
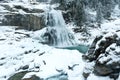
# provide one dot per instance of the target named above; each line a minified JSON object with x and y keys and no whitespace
{"x":18,"y":76}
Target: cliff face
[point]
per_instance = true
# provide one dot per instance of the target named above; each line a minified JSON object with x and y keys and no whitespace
{"x":20,"y":15}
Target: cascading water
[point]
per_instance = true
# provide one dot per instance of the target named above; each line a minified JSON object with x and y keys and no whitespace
{"x":57,"y":33}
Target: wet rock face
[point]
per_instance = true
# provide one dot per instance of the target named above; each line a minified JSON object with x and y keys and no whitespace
{"x":105,"y":53}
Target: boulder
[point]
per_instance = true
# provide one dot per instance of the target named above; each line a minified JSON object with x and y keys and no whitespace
{"x":25,"y":67}
{"x":18,"y":76}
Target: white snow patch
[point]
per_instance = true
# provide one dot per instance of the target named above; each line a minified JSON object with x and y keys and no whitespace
{"x":94,"y":77}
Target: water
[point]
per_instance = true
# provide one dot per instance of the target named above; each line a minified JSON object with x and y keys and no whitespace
{"x":58,"y":77}
{"x":57,"y":33}
{"x":81,"y":48}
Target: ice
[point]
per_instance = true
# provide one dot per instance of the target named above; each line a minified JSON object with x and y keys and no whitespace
{"x":94,"y":77}
{"x":59,"y":60}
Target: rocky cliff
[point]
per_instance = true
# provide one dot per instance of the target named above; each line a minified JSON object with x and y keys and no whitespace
{"x":23,"y":16}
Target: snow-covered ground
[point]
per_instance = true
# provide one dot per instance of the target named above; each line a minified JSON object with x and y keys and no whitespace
{"x":18,"y":50}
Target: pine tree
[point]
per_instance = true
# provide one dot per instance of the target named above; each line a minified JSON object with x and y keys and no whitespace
{"x":99,"y":15}
{"x":80,"y":13}
{"x":119,"y":3}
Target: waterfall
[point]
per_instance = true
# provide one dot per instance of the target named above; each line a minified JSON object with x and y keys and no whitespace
{"x":57,"y":33}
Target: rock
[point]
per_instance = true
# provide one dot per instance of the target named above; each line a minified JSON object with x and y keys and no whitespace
{"x":27,"y":10}
{"x":25,"y":67}
{"x":7,"y":7}
{"x":2,"y":58}
{"x":85,"y":75}
{"x":118,"y":42}
{"x":18,"y":76}
{"x":77,"y":30}
{"x":25,"y":21}
{"x":102,"y":70}
{"x":30,"y":18}
{"x":114,"y":76}
{"x":111,"y":70}
{"x":2,"y":39}
{"x":62,"y":76}
{"x":26,"y":52}
{"x":90,"y":54}
{"x":94,"y":53}
{"x":72,"y":67}
{"x":88,"y":69}
{"x":105,"y":53}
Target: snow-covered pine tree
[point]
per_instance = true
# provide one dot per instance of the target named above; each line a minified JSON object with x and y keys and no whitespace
{"x":108,"y":6}
{"x":92,"y":3}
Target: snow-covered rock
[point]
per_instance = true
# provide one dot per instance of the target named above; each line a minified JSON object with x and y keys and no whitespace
{"x":105,"y":53}
{"x":26,"y":16}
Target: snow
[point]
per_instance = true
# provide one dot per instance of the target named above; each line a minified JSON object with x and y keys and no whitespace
{"x":111,"y":26}
{"x":94,"y":77}
{"x":55,"y":61}
{"x":2,"y":9}
{"x":19,"y":50}
{"x":116,"y":12}
{"x":112,"y":54}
